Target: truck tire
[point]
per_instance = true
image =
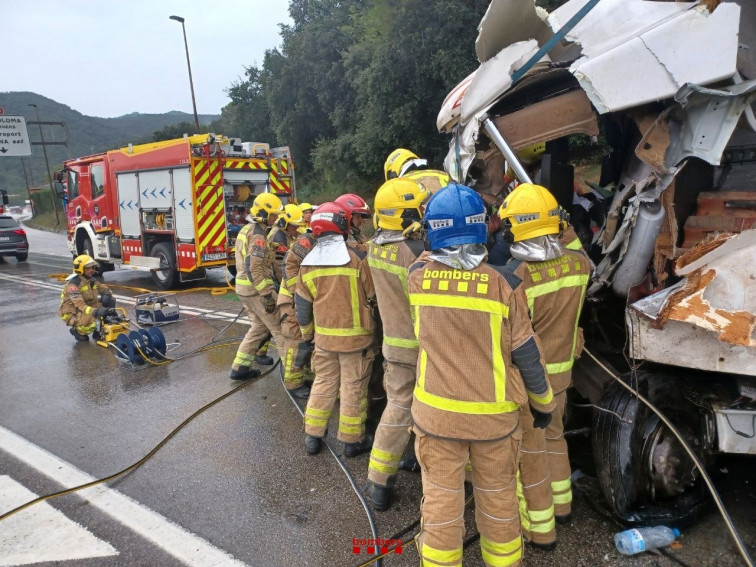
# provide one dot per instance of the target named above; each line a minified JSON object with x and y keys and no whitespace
{"x":165,"y":278}
{"x":87,"y":248}
{"x":22,"y":256}
{"x":643,"y":471}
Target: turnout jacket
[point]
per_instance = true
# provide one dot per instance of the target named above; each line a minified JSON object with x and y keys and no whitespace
{"x":80,"y":295}
{"x":555,"y":290}
{"x":254,"y":261}
{"x":389,"y":264}
{"x":332,"y":305}
{"x":478,"y":360}
{"x":278,"y":242}
{"x":290,"y":267}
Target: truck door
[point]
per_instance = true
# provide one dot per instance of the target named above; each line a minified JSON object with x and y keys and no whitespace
{"x":101,"y":210}
{"x":79,"y":195}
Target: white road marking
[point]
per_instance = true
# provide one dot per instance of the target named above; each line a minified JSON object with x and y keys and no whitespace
{"x":209,"y":313}
{"x":22,"y":541}
{"x":168,"y":536}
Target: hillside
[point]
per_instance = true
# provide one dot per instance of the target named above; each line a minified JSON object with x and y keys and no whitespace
{"x":86,"y":134}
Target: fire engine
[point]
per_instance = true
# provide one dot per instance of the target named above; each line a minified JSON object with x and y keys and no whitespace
{"x":173,"y":207}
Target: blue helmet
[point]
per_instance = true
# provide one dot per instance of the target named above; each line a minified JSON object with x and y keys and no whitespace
{"x":455,"y":215}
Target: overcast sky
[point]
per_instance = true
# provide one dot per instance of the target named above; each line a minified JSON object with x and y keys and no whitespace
{"x":105,"y":58}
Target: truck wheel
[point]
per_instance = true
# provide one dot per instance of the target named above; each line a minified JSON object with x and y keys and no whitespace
{"x":22,"y":256}
{"x":644,"y":473}
{"x":87,"y":248}
{"x":231,"y":277}
{"x":166,"y":277}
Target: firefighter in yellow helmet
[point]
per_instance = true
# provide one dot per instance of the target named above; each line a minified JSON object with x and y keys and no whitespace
{"x":470,"y":386}
{"x":405,"y":163}
{"x":554,"y":279}
{"x":281,"y":238}
{"x":307,"y":210}
{"x":84,"y":299}
{"x":255,"y":284}
{"x":398,"y":206}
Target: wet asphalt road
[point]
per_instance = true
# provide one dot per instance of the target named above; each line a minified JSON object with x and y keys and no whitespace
{"x":237,"y":476}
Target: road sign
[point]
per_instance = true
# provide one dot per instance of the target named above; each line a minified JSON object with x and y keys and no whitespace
{"x":14,"y":138}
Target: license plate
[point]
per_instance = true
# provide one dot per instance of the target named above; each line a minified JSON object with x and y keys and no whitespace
{"x":4,"y":238}
{"x":212,"y":257}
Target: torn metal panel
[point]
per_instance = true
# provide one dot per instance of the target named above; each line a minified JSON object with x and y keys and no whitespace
{"x":655,"y":46}
{"x":494,"y":77}
{"x":713,"y":311}
{"x":450,"y":109}
{"x":509,"y":21}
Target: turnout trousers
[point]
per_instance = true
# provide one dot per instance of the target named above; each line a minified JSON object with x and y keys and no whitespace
{"x":534,"y":483}
{"x":393,"y":431}
{"x":559,"y":461}
{"x":292,"y":336}
{"x":494,"y":468}
{"x":344,"y":374}
{"x":261,"y":323}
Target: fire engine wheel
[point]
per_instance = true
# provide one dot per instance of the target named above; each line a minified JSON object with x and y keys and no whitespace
{"x":166,"y":276}
{"x":644,"y":473}
{"x":87,"y":248}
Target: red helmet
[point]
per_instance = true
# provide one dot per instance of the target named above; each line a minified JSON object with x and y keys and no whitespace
{"x":355,"y":204}
{"x":330,"y":217}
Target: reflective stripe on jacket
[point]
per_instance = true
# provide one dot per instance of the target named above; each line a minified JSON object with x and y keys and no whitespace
{"x":555,"y":291}
{"x":254,"y":266}
{"x":291,"y":262}
{"x":342,"y":319}
{"x":467,"y":323}
{"x":80,"y":295}
{"x":389,"y":264}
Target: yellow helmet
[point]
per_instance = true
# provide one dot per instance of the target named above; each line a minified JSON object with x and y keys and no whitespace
{"x":530,"y":211}
{"x":83,"y":261}
{"x":265,"y":204}
{"x":398,"y":204}
{"x":306,"y":207}
{"x":532,"y":153}
{"x":292,"y":215}
{"x":399,"y":161}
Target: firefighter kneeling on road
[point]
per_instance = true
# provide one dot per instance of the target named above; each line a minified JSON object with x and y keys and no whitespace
{"x":554,"y":279}
{"x":332,"y":301}
{"x":84,"y":299}
{"x":470,"y":385}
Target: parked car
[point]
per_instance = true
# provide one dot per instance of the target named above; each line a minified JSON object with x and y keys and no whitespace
{"x":13,"y":240}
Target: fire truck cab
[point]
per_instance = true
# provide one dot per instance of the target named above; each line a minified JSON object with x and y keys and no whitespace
{"x":172,"y":208}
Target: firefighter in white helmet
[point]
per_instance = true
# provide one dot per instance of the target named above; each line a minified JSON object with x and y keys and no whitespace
{"x":405,"y":163}
{"x":395,"y":246}
{"x":333,"y":304}
{"x":84,"y":299}
{"x":470,"y":386}
{"x":255,"y":284}
{"x":554,"y":279}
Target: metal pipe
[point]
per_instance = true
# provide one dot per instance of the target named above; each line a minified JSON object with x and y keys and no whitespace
{"x":189,"y":66}
{"x":501,"y":143}
{"x":47,"y":163}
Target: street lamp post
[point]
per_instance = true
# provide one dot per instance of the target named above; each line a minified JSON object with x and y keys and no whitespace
{"x":47,"y":163}
{"x":189,"y":66}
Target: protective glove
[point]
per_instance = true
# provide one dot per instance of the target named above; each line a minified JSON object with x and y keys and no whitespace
{"x":304,"y":353}
{"x":101,"y":312}
{"x":106,"y":299}
{"x":269,"y":302}
{"x":541,"y":420}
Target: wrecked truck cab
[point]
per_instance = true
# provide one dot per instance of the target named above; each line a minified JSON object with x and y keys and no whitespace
{"x":670,"y":224}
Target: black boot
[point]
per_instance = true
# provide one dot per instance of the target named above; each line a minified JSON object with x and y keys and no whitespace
{"x":352,"y":450}
{"x":302,"y":392}
{"x":564,"y":519}
{"x":244,"y":373}
{"x":96,"y":335}
{"x":78,"y":336}
{"x":551,"y":546}
{"x":380,"y":495}
{"x":264,"y":360}
{"x":409,"y":463}
{"x":313,"y":444}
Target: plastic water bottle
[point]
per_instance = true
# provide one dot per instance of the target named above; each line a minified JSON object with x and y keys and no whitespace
{"x":637,"y":540}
